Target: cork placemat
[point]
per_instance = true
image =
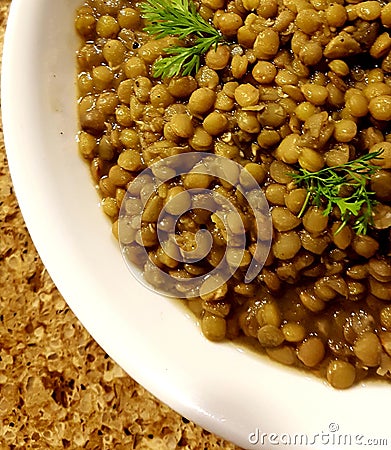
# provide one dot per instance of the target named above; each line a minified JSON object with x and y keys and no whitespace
{"x":58,"y":389}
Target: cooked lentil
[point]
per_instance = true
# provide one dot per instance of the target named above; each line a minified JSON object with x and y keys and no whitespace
{"x":303,"y":85}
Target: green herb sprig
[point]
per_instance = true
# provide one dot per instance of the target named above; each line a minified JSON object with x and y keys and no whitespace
{"x":178,"y":18}
{"x":345,"y":187}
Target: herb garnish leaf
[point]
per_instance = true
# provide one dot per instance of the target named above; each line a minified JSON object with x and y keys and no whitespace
{"x":179,"y":18}
{"x":345,"y":187}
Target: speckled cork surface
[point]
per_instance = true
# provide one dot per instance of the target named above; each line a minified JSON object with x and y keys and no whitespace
{"x":58,"y":388}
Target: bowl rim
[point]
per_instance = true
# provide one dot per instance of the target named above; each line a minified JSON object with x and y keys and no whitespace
{"x":222,"y":387}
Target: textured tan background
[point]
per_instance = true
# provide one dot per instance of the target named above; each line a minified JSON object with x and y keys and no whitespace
{"x":58,"y":389}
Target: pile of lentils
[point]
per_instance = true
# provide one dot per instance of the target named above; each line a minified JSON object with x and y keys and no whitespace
{"x":296,"y":84}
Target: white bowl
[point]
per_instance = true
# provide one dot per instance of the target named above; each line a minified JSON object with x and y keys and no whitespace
{"x":222,"y":387}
